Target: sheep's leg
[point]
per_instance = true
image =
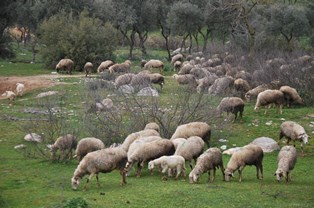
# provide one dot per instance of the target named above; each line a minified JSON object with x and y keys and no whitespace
{"x":191,"y":166}
{"x":178,"y":172}
{"x":164,"y":170}
{"x":261,"y":169}
{"x":222,"y":172}
{"x":240,"y":173}
{"x":214,"y":174}
{"x":139,"y":169}
{"x":280,"y":109}
{"x":97,"y":179}
{"x":88,"y":180}
{"x":123,"y":174}
{"x":209,"y":179}
{"x":183,"y":173}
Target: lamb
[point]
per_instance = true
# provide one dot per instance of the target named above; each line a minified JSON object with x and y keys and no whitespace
{"x":248,"y":155}
{"x":268,"y":97}
{"x":287,"y":159}
{"x":234,"y":105}
{"x":65,"y":64}
{"x":185,"y":79}
{"x":168,"y":163}
{"x":148,"y":151}
{"x":200,"y":129}
{"x":88,"y":67}
{"x":10,"y":95}
{"x":155,"y":64}
{"x":101,"y":161}
{"x":124,"y":67}
{"x":20,"y":88}
{"x":293,"y":131}
{"x":152,"y":125}
{"x":86,"y":145}
{"x":124,"y":79}
{"x":104,"y":65}
{"x":209,"y":160}
{"x":63,"y":143}
{"x":291,"y":95}
{"x":191,"y":149}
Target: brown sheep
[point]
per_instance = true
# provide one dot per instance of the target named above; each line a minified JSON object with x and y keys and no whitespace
{"x":65,"y":64}
{"x":291,"y":95}
{"x":268,"y":97}
{"x":88,"y":67}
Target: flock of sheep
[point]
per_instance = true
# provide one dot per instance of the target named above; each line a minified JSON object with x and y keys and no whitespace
{"x":11,"y":95}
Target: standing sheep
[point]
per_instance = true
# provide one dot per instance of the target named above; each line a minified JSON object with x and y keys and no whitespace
{"x":291,"y":95}
{"x":64,"y":143}
{"x":293,"y":131}
{"x":101,"y":161}
{"x":155,"y":64}
{"x":248,"y":155}
{"x":209,"y":160}
{"x":124,"y":67}
{"x":20,"y":89}
{"x":124,"y":79}
{"x":65,"y":64}
{"x":221,"y":85}
{"x":87,"y":145}
{"x":200,"y":129}
{"x":287,"y":159}
{"x":241,"y":86}
{"x":234,"y":105}
{"x":88,"y":68}
{"x":268,"y":97}
{"x":157,"y":78}
{"x":104,"y":65}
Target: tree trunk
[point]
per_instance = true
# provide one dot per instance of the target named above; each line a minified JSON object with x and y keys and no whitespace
{"x":191,"y":42}
{"x":163,"y":33}
{"x":143,"y":38}
{"x":205,"y":37}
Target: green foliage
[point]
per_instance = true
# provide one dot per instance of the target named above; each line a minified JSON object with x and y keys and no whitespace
{"x":83,"y":39}
{"x":76,"y":203}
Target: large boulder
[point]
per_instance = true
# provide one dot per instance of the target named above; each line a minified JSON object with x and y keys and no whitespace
{"x":267,"y":144}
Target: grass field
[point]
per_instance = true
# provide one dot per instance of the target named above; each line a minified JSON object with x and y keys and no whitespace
{"x":31,"y":182}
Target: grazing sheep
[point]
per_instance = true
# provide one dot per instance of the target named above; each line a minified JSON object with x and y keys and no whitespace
{"x":152,"y":125}
{"x":248,"y":155}
{"x":177,"y":65}
{"x":234,"y":105}
{"x":191,"y":149}
{"x":185,"y":68}
{"x":209,"y":160}
{"x":185,"y":79}
{"x":148,"y":151}
{"x":175,"y":58}
{"x":241,"y":86}
{"x":64,"y":143}
{"x":291,"y":95}
{"x":104,"y":65}
{"x":255,"y":91}
{"x":200,"y":129}
{"x":155,"y":64}
{"x":177,"y":142}
{"x":101,"y":161}
{"x":33,"y":137}
{"x":204,"y":83}
{"x":168,"y":163}
{"x":20,"y":88}
{"x":268,"y":97}
{"x":221,"y":85}
{"x":124,"y":79}
{"x":10,"y":95}
{"x":140,"y":81}
{"x":156,"y":78}
{"x":65,"y":64}
{"x":200,"y":73}
{"x":88,"y":68}
{"x":287,"y":159}
{"x":293,"y":131}
{"x":124,"y":67}
{"x":87,"y":145}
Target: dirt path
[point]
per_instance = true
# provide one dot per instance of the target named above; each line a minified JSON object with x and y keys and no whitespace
{"x":31,"y":82}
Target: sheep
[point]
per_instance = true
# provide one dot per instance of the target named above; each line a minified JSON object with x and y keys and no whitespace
{"x":124,"y":79}
{"x":255,"y":91}
{"x":33,"y":137}
{"x":124,"y":67}
{"x":65,"y":64}
{"x":221,"y":85}
{"x":177,"y":142}
{"x":86,"y":145}
{"x":287,"y":159}
{"x":293,"y":131}
{"x":291,"y":95}
{"x":101,"y":161}
{"x":10,"y":95}
{"x":177,"y":65}
{"x":88,"y":67}
{"x":157,"y":78}
{"x":153,"y":63}
{"x":152,"y":125}
{"x":209,"y":160}
{"x":63,"y":143}
{"x":233,"y":105}
{"x":185,"y":79}
{"x":175,"y":58}
{"x":191,"y":149}
{"x":148,"y":151}
{"x":136,"y":135}
{"x":242,"y":86}
{"x":248,"y":155}
{"x":200,"y":73}
{"x":168,"y":163}
{"x":200,"y":129}
{"x":204,"y":83}
{"x":268,"y":97}
{"x":20,"y":88}
{"x":185,"y":68}
{"x":104,"y":65}
{"x":140,"y":81}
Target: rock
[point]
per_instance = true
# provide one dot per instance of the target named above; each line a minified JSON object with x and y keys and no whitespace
{"x":33,"y":137}
{"x":126,"y":89}
{"x":267,"y":144}
{"x":44,"y":94}
{"x":223,"y":147}
{"x":231,"y":150}
{"x":147,"y":91}
{"x":20,"y":146}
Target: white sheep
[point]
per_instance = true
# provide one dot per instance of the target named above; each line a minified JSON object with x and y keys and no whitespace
{"x":10,"y":95}
{"x":168,"y":163}
{"x":268,"y":97}
{"x":124,"y":67}
{"x":209,"y":160}
{"x":248,"y":155}
{"x":291,"y":95}
{"x":88,"y":67}
{"x":66,"y":144}
{"x":293,"y":131}
{"x":156,"y":78}
{"x":148,"y":151}
{"x":200,"y":129}
{"x":20,"y":88}
{"x":185,"y":68}
{"x":185,"y":79}
{"x":101,"y":161}
{"x":65,"y":64}
{"x":191,"y":149}
{"x":234,"y":105}
{"x":253,"y":93}
{"x":87,"y":145}
{"x":287,"y":159}
{"x":177,"y":142}
{"x":104,"y":65}
{"x":152,"y":125}
{"x":153,"y":63}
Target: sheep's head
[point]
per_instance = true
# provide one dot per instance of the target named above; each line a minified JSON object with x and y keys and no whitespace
{"x":151,"y":165}
{"x":75,"y":181}
{"x":256,"y":108}
{"x":194,"y":175}
{"x":304,"y":137}
{"x":279,"y":174}
{"x":228,"y":174}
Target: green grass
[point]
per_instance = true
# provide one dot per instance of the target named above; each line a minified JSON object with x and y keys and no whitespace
{"x":27,"y":182}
